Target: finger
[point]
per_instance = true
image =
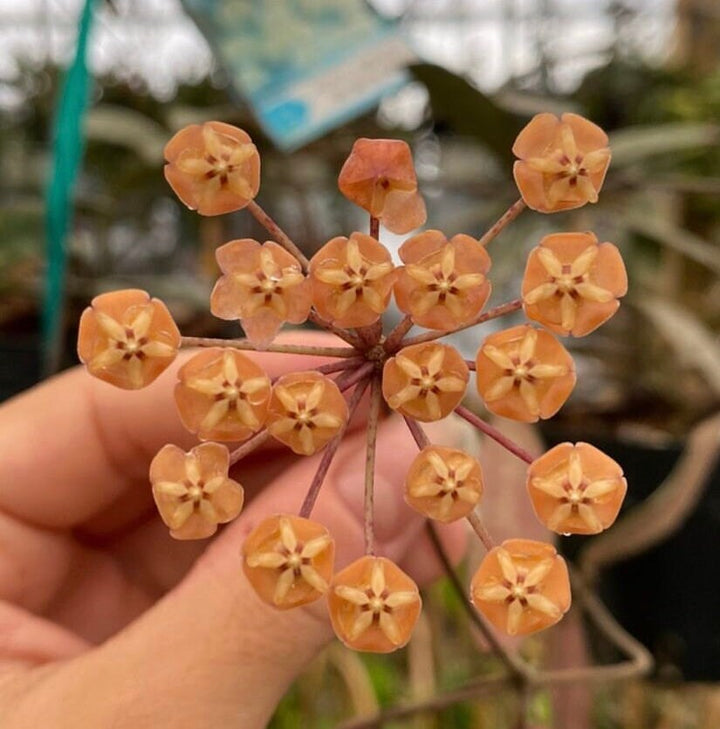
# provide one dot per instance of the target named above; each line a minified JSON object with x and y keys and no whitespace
{"x":72,"y":446}
{"x":221,"y":657}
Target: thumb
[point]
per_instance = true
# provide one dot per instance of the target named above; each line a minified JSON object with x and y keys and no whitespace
{"x":211,"y":653}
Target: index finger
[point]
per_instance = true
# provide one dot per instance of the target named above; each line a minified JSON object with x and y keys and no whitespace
{"x":71,"y":446}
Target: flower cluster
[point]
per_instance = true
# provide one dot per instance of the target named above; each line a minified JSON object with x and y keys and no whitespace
{"x":571,"y":285}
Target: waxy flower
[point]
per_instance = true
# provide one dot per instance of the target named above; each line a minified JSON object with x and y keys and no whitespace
{"x":572,"y":283}
{"x":213,"y":168}
{"x":373,"y":605}
{"x":443,"y":284}
{"x":379,"y":176}
{"x":222,"y":395}
{"x":192,"y":490}
{"x":306,"y":411}
{"x":288,"y":560}
{"x":562,"y":162}
{"x":524,"y":374}
{"x":127,"y":339}
{"x":425,"y":381}
{"x":522,"y":586}
{"x":352,"y":279}
{"x":262,"y":286}
{"x":576,"y":489}
{"x":443,"y":483}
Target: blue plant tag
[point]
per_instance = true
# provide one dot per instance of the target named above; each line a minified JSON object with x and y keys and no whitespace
{"x":305,"y":66}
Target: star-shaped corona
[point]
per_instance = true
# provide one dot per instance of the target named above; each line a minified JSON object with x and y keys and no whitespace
{"x":306,"y":411}
{"x":444,"y":483}
{"x":127,"y":339}
{"x":351,"y":280}
{"x":572,"y":283}
{"x":289,"y":560}
{"x":222,"y":395}
{"x":576,"y":489}
{"x":373,"y":605}
{"x":522,"y":586}
{"x":425,"y":381}
{"x":443,"y":284}
{"x":562,"y":162}
{"x":263,"y":286}
{"x":192,"y":490}
{"x":524,"y":373}
{"x":213,"y":168}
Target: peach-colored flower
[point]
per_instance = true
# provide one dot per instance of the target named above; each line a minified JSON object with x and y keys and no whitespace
{"x":576,"y":489}
{"x":562,"y":162}
{"x":127,"y":339}
{"x":288,"y":560}
{"x":351,"y":280}
{"x":524,"y":373}
{"x":443,"y":483}
{"x":522,"y":586}
{"x":306,"y":411}
{"x":222,"y":395}
{"x":192,"y":490}
{"x":373,"y":605}
{"x":213,"y":168}
{"x":425,"y":381}
{"x":443,"y":284}
{"x":262,"y":286}
{"x":379,"y":176}
{"x":572,"y":283}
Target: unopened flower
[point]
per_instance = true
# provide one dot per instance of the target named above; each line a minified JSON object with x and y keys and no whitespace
{"x":425,"y":381}
{"x":522,"y":586}
{"x":576,"y":489}
{"x":352,"y":279}
{"x":127,"y":339}
{"x":222,"y":395}
{"x":443,"y":483}
{"x":443,"y":284}
{"x":379,"y":176}
{"x":262,"y":286}
{"x":288,"y":560}
{"x":192,"y":490}
{"x":306,"y":411}
{"x":562,"y":162}
{"x":213,"y":168}
{"x":572,"y":283}
{"x":373,"y":605}
{"x":524,"y":373}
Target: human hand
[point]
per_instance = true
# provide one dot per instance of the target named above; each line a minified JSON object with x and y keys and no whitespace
{"x":105,"y":621}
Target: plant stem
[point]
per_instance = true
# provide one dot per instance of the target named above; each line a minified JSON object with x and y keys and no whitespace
{"x":278,"y":234}
{"x":344,"y":364}
{"x":249,"y":446}
{"x":507,"y":217}
{"x":245,"y":344}
{"x":417,"y":432}
{"x":348,"y":379}
{"x":329,"y":454}
{"x":394,"y":339}
{"x":479,"y":528}
{"x":349,"y":337}
{"x":374,"y":227}
{"x":493,"y":313}
{"x":372,"y":428}
{"x":494,"y":433}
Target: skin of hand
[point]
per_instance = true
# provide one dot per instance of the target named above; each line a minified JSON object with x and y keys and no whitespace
{"x":105,"y":620}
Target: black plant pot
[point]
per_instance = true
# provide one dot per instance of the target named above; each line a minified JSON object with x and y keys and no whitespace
{"x":668,"y":597}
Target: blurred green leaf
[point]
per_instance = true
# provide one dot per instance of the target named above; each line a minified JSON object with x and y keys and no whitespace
{"x":127,"y":128}
{"x":693,"y":342}
{"x":640,"y":142}
{"x":672,"y":236}
{"x":460,"y":108}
